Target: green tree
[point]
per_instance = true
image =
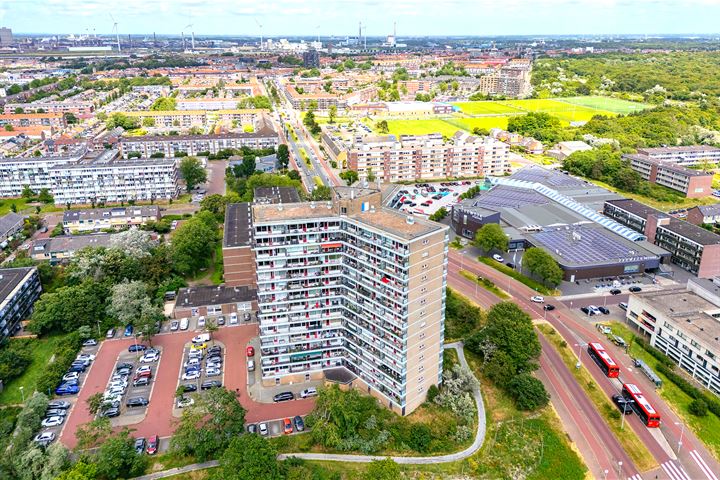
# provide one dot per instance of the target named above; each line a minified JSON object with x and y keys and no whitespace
{"x":370,"y":175}
{"x":68,"y":308}
{"x":283,"y":155}
{"x":192,"y":171}
{"x":118,"y":119}
{"x":117,"y":458}
{"x":215,"y":204}
{"x":193,"y":243}
{"x":385,"y":469}
{"x":81,"y":470}
{"x":382,"y":127}
{"x":350,"y":176}
{"x":249,"y":456}
{"x":94,"y":402}
{"x":207,"y":427}
{"x":321,"y":192}
{"x":148,"y":122}
{"x":45,"y":196}
{"x":247,"y":167}
{"x":164,"y":104}
{"x":439,"y":214}
{"x":27,"y":192}
{"x":543,"y":265}
{"x":491,"y":237}
{"x":528,"y":392}
{"x":332,"y":113}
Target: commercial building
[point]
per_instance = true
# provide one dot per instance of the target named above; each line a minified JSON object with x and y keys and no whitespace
{"x":93,"y":220}
{"x":347,"y":288}
{"x":19,"y":288}
{"x":10,"y":224}
{"x":691,"y":247}
{"x":693,"y":183}
{"x":171,"y":145}
{"x":32,"y":119}
{"x":86,"y":177}
{"x":558,"y":213}
{"x":57,"y":249}
{"x":418,"y":157}
{"x":683,"y":323}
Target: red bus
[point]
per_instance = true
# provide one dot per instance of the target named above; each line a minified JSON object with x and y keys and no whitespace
{"x":640,"y":405}
{"x":604,"y":360}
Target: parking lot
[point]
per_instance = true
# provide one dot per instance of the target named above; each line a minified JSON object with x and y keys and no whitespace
{"x":159,"y":415}
{"x":200,"y":369}
{"x":427,"y":198}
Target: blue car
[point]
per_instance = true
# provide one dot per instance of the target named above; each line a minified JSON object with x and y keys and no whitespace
{"x":128,"y":331}
{"x":77,"y":368}
{"x":136,"y":348}
{"x":66,"y":389}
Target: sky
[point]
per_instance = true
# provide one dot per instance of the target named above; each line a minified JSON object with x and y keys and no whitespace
{"x":341,"y":17}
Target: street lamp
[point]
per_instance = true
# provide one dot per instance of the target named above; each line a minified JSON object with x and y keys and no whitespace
{"x":619,"y":468}
{"x":682,"y":430}
{"x":579,"y":345}
{"x":605,"y":474}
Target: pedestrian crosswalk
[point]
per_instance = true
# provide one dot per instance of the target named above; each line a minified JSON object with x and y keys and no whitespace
{"x":675,"y":471}
{"x":635,"y":477}
{"x":703,"y":466}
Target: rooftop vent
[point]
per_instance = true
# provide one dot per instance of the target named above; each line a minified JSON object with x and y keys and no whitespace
{"x":410,"y":220}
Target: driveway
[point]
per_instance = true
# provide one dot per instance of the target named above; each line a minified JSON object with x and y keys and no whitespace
{"x":216,"y":177}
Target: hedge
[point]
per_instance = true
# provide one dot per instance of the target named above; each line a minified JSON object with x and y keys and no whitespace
{"x":694,"y":392}
{"x":65,"y":353}
{"x":657,"y":354}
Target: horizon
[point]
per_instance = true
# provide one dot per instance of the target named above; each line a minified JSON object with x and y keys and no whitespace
{"x":341,"y":18}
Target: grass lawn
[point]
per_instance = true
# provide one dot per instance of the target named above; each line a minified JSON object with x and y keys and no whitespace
{"x":487,"y":285}
{"x":563,"y":110}
{"x":535,"y":285}
{"x":217,"y":274}
{"x":607,"y":104}
{"x":5,"y":204}
{"x":421,"y":127}
{"x":479,"y":122}
{"x":486,"y":108}
{"x":678,"y":200}
{"x":627,"y":437}
{"x":41,"y":354}
{"x":707,"y":429}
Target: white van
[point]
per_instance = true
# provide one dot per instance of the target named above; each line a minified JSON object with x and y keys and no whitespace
{"x":184,"y":324}
{"x":201,"y":338}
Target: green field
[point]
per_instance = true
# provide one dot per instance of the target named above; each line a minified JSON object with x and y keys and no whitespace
{"x":562,"y":110}
{"x":421,"y":127}
{"x":479,"y":122}
{"x":486,"y":108}
{"x":607,"y":103}
{"x":41,"y":353}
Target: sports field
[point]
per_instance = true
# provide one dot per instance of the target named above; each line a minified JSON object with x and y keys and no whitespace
{"x":486,"y":108}
{"x":562,"y":110}
{"x":421,"y":127}
{"x":606,"y":103}
{"x":469,"y":124}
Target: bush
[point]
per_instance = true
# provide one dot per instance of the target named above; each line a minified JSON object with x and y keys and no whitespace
{"x":698,"y":407}
{"x":432,"y":392}
{"x":65,"y":353}
{"x":420,"y":437}
{"x":528,"y":392}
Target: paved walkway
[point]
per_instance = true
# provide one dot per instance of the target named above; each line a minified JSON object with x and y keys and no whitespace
{"x":452,"y":457}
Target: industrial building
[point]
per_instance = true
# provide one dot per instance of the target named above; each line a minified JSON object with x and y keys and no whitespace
{"x":691,"y":247}
{"x":682,"y":322}
{"x":346,"y":289}
{"x":558,"y":213}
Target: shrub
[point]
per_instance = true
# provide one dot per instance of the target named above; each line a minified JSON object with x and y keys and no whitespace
{"x":528,"y":392}
{"x":420,"y":437}
{"x":432,"y":392}
{"x":65,"y":353}
{"x":698,"y":407}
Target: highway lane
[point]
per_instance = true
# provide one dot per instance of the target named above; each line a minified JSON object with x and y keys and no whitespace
{"x":576,"y":331}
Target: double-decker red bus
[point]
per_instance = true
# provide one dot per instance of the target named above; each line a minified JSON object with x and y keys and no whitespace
{"x":604,"y":360}
{"x":640,"y":405}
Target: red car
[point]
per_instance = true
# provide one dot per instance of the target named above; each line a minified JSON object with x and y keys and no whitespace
{"x":250,"y":351}
{"x":152,"y":445}
{"x":288,"y":428}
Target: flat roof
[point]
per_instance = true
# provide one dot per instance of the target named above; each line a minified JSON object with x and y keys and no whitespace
{"x":10,"y":221}
{"x":70,"y":243}
{"x":201,"y":296}
{"x":636,"y":208}
{"x":550,"y":178}
{"x":10,"y":278}
{"x":238,"y":225}
{"x":678,"y":149}
{"x":114,"y":212}
{"x":276,"y":195}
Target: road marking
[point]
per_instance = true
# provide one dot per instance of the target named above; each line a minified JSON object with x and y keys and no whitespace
{"x":635,"y":477}
{"x":675,"y":472}
{"x":703,"y":466}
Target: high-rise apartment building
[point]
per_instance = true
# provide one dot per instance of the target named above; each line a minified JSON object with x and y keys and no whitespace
{"x":347,"y":288}
{"x":6,"y":37}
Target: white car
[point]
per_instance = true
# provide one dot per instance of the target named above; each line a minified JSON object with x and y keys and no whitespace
{"x":143,"y":369}
{"x":192,"y":362}
{"x":537,"y":299}
{"x":194,"y":375}
{"x":308,"y":392}
{"x":111,"y":398}
{"x":115,"y":390}
{"x":52,"y":421}
{"x":185,"y":402}
{"x":119,"y":378}
{"x":118,"y":384}
{"x":498,"y":258}
{"x":233,"y":319}
{"x":86,"y":356}
{"x":263,"y":429}
{"x":201,"y":338}
{"x":150,"y":357}
{"x":212,"y":372}
{"x":213,"y":365}
{"x":196,"y":354}
{"x":71,"y":376}
{"x":44,"y":438}
{"x":201,"y":322}
{"x":251,"y":365}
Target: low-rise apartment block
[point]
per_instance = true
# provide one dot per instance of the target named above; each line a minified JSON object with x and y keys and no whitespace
{"x":19,"y":288}
{"x":704,"y":214}
{"x":416,"y":157}
{"x":171,"y":145}
{"x":10,"y":225}
{"x":693,"y":183}
{"x":33,"y":119}
{"x":347,"y":289}
{"x":691,"y":247}
{"x":76,"y":107}
{"x":683,"y":323}
{"x":198,"y":118}
{"x":206,"y":300}
{"x":57,"y":249}
{"x":93,"y":220}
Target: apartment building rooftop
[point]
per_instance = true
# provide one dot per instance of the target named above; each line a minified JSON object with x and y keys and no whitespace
{"x":71,"y":243}
{"x":238,"y":225}
{"x":100,"y":213}
{"x":10,"y":278}
{"x":276,"y":195}
{"x":199,"y":296}
{"x":677,"y":149}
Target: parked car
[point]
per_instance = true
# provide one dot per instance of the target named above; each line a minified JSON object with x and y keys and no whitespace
{"x":250,"y":351}
{"x":128,"y":331}
{"x":537,"y":299}
{"x":189,"y":387}
{"x":140,"y":445}
{"x":70,"y":376}
{"x":615,"y":291}
{"x":123,"y":365}
{"x":252,"y":428}
{"x":44,"y":438}
{"x":110,"y":333}
{"x":233,"y":319}
{"x":152,"y":445}
{"x":622,"y":305}
{"x":59,"y":404}
{"x":603,"y":310}
{"x":498,"y":258}
{"x":212,"y":372}
{"x":198,"y":346}
{"x":201,"y":322}
{"x":635,"y":289}
{"x":56,"y":412}
{"x":624,"y":404}
{"x":184,"y":324}
{"x":52,"y":421}
{"x":174,"y":325}
{"x":110,"y":412}
{"x":141,"y":382}
{"x":66,"y":389}
{"x":136,"y":347}
{"x":91,"y":342}
{"x":283,"y":396}
{"x":587,"y":311}
{"x":221,"y":321}
{"x":150,"y":357}
{"x":251,"y":365}
{"x":215,"y":349}
{"x":136,"y":402}
{"x":210,"y":384}
{"x":299,"y":424}
{"x":263,"y":429}
{"x":124,"y":371}
{"x":308,"y":392}
{"x":201,"y":338}
{"x":191,"y":375}
{"x":184,"y":402}
{"x":287,"y":426}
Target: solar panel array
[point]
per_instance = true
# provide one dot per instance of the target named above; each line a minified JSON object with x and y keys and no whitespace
{"x":506,"y":197}
{"x":550,"y":178}
{"x":583,"y":245}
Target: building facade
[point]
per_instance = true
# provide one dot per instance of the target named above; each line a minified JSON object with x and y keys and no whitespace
{"x":19,"y":288}
{"x":348,"y":285}
{"x":171,"y":145}
{"x":684,"y":324}
{"x":70,"y":106}
{"x":33,"y":119}
{"x":693,"y":183}
{"x":93,"y":220}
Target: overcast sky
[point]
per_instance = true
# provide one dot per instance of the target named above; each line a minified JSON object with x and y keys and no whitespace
{"x":341,"y":17}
